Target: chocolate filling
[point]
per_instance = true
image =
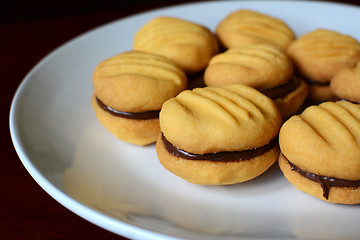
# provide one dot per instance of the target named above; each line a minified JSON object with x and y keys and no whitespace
{"x":313,"y":82}
{"x":139,"y":115}
{"x":282,"y":90}
{"x":219,"y":156}
{"x":325,"y":182}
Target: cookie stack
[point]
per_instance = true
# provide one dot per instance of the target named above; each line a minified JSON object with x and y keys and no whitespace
{"x":129,"y":90}
{"x":256,"y":76}
{"x":321,"y":150}
{"x":219,"y":135}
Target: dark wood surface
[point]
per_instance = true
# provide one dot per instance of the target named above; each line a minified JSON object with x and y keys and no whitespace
{"x":29,"y":30}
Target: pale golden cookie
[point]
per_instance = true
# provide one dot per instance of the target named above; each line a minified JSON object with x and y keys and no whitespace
{"x":259,"y":65}
{"x":292,"y":102}
{"x":319,"y":93}
{"x":243,"y":27}
{"x":188,"y":44}
{"x":324,"y":140}
{"x":219,"y":119}
{"x":135,"y":131}
{"x":346,"y":83}
{"x":136,"y":84}
{"x":262,"y":66}
{"x":319,"y":55}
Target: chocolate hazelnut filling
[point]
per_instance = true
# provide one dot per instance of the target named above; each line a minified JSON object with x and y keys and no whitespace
{"x":130,"y":115}
{"x":282,"y":90}
{"x":313,"y":82}
{"x":325,"y":182}
{"x":219,"y":156}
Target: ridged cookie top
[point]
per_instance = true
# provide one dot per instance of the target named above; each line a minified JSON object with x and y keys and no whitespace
{"x":320,"y":54}
{"x":137,"y":81}
{"x":260,"y":66}
{"x":189,"y":44}
{"x":325,"y":140}
{"x":244,"y":27}
{"x":214,"y":119}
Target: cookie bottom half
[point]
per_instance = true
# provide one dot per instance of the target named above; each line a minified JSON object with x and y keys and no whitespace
{"x":292,"y":102}
{"x":134,"y":131}
{"x":344,"y":195}
{"x":320,"y":93}
{"x":207,"y":172}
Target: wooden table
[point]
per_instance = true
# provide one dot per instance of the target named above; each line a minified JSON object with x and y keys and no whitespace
{"x":30,"y":30}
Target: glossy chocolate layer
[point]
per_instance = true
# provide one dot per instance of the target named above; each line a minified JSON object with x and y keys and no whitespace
{"x":219,"y":156}
{"x":139,"y":116}
{"x":282,"y":90}
{"x":325,"y":182}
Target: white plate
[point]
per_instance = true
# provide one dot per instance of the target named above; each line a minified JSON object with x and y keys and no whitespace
{"x":123,"y":188}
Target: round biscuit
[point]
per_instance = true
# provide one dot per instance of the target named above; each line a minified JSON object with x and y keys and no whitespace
{"x":188,"y":44}
{"x":260,"y":66}
{"x":243,"y":27}
{"x":137,"y":81}
{"x":232,"y":117}
{"x":320,"y":54}
{"x":324,"y":140}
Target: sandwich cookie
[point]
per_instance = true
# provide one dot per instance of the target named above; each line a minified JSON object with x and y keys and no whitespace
{"x":243,"y":27}
{"x":319,"y":55}
{"x":219,"y":135}
{"x":129,"y":90}
{"x":264,"y":67}
{"x":188,"y":44}
{"x":320,"y":151}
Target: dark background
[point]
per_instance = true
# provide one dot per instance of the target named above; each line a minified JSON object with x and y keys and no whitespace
{"x":29,"y":30}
